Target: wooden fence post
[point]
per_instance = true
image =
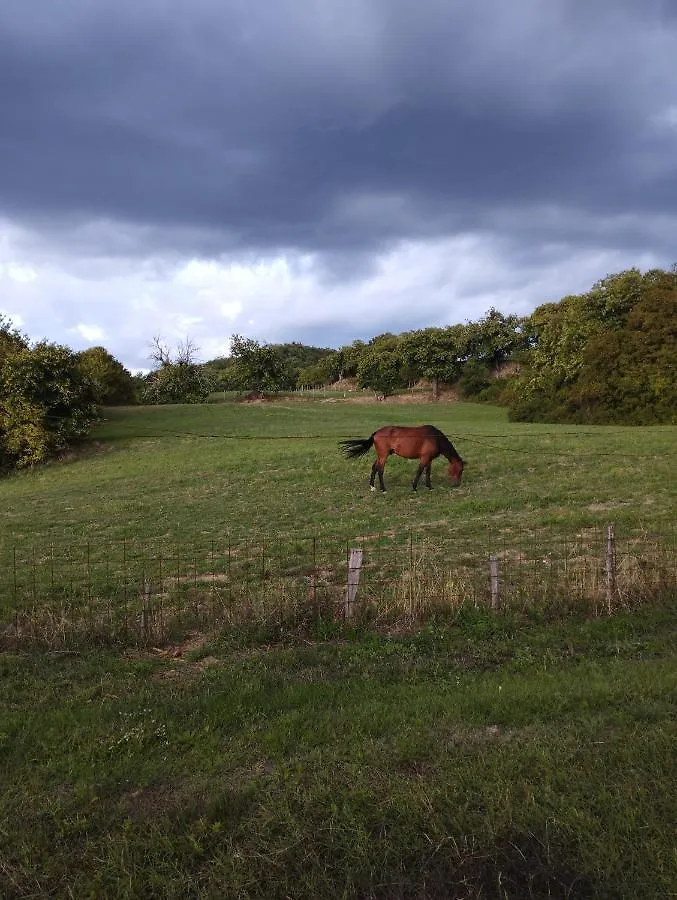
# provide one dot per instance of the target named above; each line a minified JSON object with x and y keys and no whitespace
{"x":493,"y":576}
{"x":610,"y":566}
{"x":354,"y":566}
{"x":146,"y":622}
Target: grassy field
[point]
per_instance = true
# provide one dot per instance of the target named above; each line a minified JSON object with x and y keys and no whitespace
{"x":483,"y":757}
{"x":184,"y":472}
{"x":469,"y":753}
{"x":216,"y":496}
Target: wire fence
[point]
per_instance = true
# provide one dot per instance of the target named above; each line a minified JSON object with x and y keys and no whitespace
{"x":147,"y":592}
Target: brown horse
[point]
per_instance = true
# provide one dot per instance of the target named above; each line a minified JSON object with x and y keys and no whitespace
{"x":422,"y":442}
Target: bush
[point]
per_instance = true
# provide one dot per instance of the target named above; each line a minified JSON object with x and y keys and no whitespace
{"x":113,"y":384}
{"x":475,"y":379}
{"x":178,"y":383}
{"x":604,"y":357}
{"x":45,"y":403}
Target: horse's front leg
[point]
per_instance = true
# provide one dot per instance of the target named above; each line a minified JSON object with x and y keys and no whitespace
{"x":427,"y":477}
{"x":423,"y":467}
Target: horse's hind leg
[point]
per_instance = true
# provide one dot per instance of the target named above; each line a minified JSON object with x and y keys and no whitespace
{"x":377,"y":469}
{"x":380,"y":477}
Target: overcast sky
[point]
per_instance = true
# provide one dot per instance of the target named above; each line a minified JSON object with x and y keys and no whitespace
{"x":325,"y":170}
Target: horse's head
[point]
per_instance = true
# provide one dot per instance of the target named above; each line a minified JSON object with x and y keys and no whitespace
{"x":455,"y":470}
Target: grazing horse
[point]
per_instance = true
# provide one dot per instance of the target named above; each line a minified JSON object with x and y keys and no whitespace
{"x":422,"y":442}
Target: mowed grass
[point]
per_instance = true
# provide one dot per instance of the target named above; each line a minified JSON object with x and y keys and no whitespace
{"x":185,"y":472}
{"x":483,"y":757}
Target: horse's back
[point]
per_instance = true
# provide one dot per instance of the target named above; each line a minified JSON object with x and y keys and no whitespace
{"x":408,"y":432}
{"x":408,"y":441}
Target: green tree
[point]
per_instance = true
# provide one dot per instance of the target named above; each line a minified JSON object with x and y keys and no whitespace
{"x":559,"y":333}
{"x":296,"y":357}
{"x":177,"y":383}
{"x":476,"y":378}
{"x":348,"y":360}
{"x":629,"y":375}
{"x":178,"y":380}
{"x":45,"y":402}
{"x":436,"y":354}
{"x":222,"y":372}
{"x":324,"y":371}
{"x":611,"y":298}
{"x":591,"y":361}
{"x":11,"y":339}
{"x":256,"y":367}
{"x":495,"y":338}
{"x":380,"y":369}
{"x":113,"y":383}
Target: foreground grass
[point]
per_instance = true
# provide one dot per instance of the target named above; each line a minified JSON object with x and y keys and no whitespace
{"x":185,"y":473}
{"x":481,"y":757}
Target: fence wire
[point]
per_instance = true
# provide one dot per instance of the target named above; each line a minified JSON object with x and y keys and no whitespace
{"x":145,"y":592}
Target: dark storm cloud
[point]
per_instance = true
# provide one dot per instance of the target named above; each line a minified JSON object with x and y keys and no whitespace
{"x":337,"y":127}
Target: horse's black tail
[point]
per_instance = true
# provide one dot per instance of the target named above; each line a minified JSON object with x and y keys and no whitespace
{"x":356,"y":447}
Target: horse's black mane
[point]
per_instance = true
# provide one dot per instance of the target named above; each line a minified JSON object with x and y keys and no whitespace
{"x":446,"y":447}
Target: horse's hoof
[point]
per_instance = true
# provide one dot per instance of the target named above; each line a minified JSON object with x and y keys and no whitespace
{"x":371,"y":487}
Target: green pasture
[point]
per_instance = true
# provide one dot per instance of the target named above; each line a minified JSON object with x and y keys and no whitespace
{"x":478,"y":758}
{"x":467,"y":753}
{"x":229,"y":512}
{"x":187,"y":473}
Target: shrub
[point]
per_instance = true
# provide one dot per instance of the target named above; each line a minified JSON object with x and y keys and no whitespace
{"x":113,"y":383}
{"x":178,"y":383}
{"x":475,"y":379}
{"x":45,"y":403}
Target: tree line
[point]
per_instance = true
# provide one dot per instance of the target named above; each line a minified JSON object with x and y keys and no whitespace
{"x":385,"y":364}
{"x":606,"y":356}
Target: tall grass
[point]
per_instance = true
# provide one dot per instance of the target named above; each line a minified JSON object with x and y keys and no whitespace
{"x":144,"y":593}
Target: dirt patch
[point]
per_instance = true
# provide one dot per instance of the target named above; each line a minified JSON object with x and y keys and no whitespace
{"x":463,"y":737}
{"x":256,"y":397}
{"x":193,"y":643}
{"x":147,"y":803}
{"x":446,"y":395}
{"x":608,"y":505}
{"x":82,"y":450}
{"x":420,"y":392}
{"x":345,"y":384}
{"x":506,"y":370}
